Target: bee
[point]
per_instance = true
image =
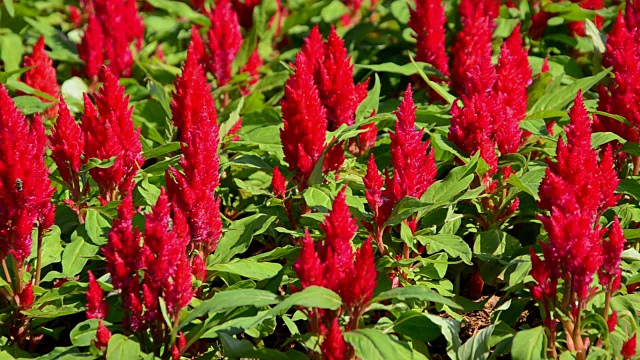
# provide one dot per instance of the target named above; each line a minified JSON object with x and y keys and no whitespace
{"x":169,"y":225}
{"x":19,"y":185}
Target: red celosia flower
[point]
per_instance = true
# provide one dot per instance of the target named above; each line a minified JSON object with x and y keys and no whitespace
{"x":43,"y":75}
{"x":102,"y":336}
{"x":629,"y":348}
{"x":198,"y":47}
{"x":305,"y":121}
{"x":612,"y":322}
{"x":473,"y":43}
{"x":354,"y":9}
{"x":198,"y":268}
{"x":91,"y":50}
{"x":632,"y":13}
{"x":622,"y":96}
{"x":244,"y":9}
{"x":333,"y":264}
{"x":428,"y":22}
{"x":192,"y":95}
{"x":25,"y":188}
{"x":168,"y":272}
{"x":109,"y":132}
{"x":514,"y":75}
{"x":334,"y":78}
{"x":251,"y":68}
{"x":313,"y":48}
{"x":279,"y":183}
{"x":193,"y":190}
{"x":118,"y":23}
{"x":74,"y":16}
{"x":123,"y":251}
{"x":26,"y":297}
{"x":373,"y":183}
{"x":197,"y":4}
{"x":545,"y":277}
{"x":96,"y":305}
{"x":224,"y":41}
{"x":414,"y":166}
{"x":473,"y":126}
{"x":576,"y":189}
{"x":67,"y":144}
{"x":334,"y":347}
{"x":610,"y":272}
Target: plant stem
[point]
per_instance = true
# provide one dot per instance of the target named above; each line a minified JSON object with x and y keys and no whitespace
{"x":7,"y":275}
{"x":39,"y":256}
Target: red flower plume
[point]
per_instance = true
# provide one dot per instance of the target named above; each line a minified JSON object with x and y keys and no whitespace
{"x":43,"y":76}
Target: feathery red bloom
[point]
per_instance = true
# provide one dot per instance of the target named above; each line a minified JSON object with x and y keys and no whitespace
{"x":251,"y":68}
{"x":334,"y":78}
{"x":198,"y":47}
{"x":373,"y":183}
{"x":612,"y":322}
{"x":334,"y":347}
{"x":225,"y":40}
{"x":428,"y":22}
{"x":514,"y":75}
{"x":109,"y":132}
{"x":102,"y":336}
{"x":473,"y":126}
{"x":74,"y":16}
{"x":244,"y":9}
{"x":333,"y":264}
{"x":26,"y":297}
{"x":305,"y":121}
{"x":576,"y":189}
{"x":123,"y":251}
{"x":42,"y":76}
{"x":577,"y":27}
{"x":622,"y":96}
{"x":91,"y":49}
{"x":279,"y":183}
{"x":629,"y":348}
{"x":192,"y":95}
{"x":313,"y":47}
{"x":193,"y":190}
{"x":473,"y":43}
{"x":168,"y":272}
{"x":25,"y":188}
{"x":67,"y":144}
{"x":632,"y":13}
{"x":414,"y":166}
{"x":197,"y":4}
{"x":610,"y":272}
{"x":96,"y":305}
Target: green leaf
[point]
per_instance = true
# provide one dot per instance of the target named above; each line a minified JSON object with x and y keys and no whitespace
{"x":249,"y":269}
{"x":122,"y":348}
{"x":97,"y":163}
{"x":416,"y":325}
{"x":451,"y":244}
{"x":372,"y":344}
{"x":238,"y":238}
{"x":529,"y":182}
{"x":311,"y":297}
{"x":477,"y":347}
{"x":600,"y":138}
{"x":244,"y":349}
{"x":370,"y":103}
{"x":333,"y":11}
{"x":433,"y":85}
{"x":30,"y":104}
{"x":459,"y":179}
{"x":316,"y":198}
{"x":234,"y":117}
{"x":97,"y":227}
{"x":230,"y":300}
{"x":161,"y":150}
{"x":404,"y":70}
{"x":530,"y":344}
{"x":181,"y":10}
{"x":83,"y":333}
{"x":8,"y":4}
{"x":76,"y":255}
{"x":415,"y":292}
{"x":563,"y":95}
{"x":403,"y":209}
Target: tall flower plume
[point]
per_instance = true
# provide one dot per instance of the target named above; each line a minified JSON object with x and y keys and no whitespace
{"x":109,"y":132}
{"x":244,"y":9}
{"x":193,"y":190}
{"x":43,"y":75}
{"x":305,"y":121}
{"x":334,"y":77}
{"x":428,"y":22}
{"x":622,"y":96}
{"x":225,"y":40}
{"x":192,"y":94}
{"x":67,"y":144}
{"x":25,"y":188}
{"x":514,"y":75}
{"x":576,"y":189}
{"x":114,"y":25}
{"x":333,"y":263}
{"x":96,"y":304}
{"x":473,"y":43}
